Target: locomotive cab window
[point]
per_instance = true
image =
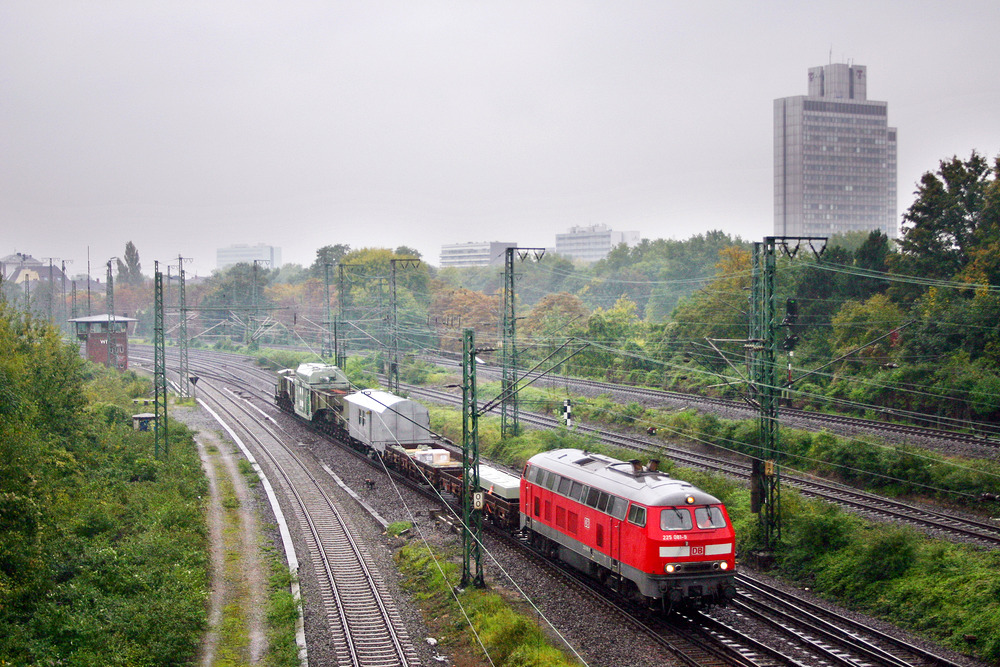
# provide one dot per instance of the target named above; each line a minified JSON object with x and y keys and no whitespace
{"x":619,"y":508}
{"x":675,"y":518}
{"x":637,"y":515}
{"x":709,"y":517}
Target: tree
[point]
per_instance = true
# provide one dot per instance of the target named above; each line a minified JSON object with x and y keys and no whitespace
{"x":232,"y":292}
{"x":328,"y":254}
{"x":555,"y":316}
{"x":407,"y":251}
{"x":859,"y":323}
{"x":950,"y":217}
{"x":129,"y":271}
{"x":453,"y":310}
{"x":873,"y":257}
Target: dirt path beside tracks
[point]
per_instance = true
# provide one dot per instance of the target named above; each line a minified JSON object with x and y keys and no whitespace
{"x":237,"y":632}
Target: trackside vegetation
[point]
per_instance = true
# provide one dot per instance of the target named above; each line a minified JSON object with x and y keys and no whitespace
{"x":102,"y":547}
{"x":509,"y":637}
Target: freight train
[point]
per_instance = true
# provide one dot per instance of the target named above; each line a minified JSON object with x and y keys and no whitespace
{"x":635,"y":528}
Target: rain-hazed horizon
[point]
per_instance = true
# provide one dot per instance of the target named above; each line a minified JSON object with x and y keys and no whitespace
{"x":185,"y":128}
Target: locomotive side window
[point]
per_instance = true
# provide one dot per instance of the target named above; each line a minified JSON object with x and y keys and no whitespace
{"x":675,"y":518}
{"x":577,"y":492}
{"x":552,"y":481}
{"x":541,"y":477}
{"x":593,"y":497}
{"x":619,"y":508}
{"x":709,"y":517}
{"x":531,"y":473}
{"x":564,"y":485}
{"x":637,"y":515}
{"x":602,"y":502}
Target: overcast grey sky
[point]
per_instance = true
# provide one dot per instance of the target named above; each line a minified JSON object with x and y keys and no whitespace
{"x":188,"y":126}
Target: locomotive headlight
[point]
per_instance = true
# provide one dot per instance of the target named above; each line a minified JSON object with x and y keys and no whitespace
{"x":669,"y":568}
{"x":723,"y":565}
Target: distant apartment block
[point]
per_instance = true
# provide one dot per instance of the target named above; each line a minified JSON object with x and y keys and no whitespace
{"x":834,"y":158}
{"x":592,"y":243}
{"x":474,"y":253}
{"x":244,"y":252}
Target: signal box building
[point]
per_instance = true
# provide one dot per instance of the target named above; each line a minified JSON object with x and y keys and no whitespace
{"x":106,"y":337}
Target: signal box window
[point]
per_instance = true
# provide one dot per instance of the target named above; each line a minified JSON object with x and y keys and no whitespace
{"x":637,"y":515}
{"x":675,"y":518}
{"x":709,"y":517}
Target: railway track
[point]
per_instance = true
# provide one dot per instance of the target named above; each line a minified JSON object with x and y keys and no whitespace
{"x":833,"y":637}
{"x":990,"y":437}
{"x":361,"y":621}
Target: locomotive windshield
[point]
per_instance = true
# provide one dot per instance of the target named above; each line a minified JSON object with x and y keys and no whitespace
{"x":709,"y":517}
{"x":675,"y":518}
{"x":679,"y":518}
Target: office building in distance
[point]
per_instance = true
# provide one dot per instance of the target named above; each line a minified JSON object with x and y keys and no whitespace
{"x":834,"y":158}
{"x":474,"y":253}
{"x":592,"y":243}
{"x":246,"y":253}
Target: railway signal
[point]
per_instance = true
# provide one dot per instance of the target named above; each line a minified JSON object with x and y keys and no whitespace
{"x":765,"y":481}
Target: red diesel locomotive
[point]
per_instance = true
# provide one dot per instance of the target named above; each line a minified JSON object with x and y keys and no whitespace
{"x":638,"y":530}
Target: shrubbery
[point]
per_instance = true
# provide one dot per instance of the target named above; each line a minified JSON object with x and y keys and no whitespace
{"x":102,"y":548}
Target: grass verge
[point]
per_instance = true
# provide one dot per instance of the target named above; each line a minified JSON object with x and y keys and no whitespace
{"x":508,"y":636}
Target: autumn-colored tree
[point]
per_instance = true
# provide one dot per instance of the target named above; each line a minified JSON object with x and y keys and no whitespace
{"x":555,"y":316}
{"x":454,"y":310}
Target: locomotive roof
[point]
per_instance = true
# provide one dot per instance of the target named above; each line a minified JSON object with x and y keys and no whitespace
{"x":618,"y":478}
{"x":378,"y":401}
{"x":317,"y":373}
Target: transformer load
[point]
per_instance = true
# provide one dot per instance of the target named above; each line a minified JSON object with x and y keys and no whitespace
{"x":378,"y":418}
